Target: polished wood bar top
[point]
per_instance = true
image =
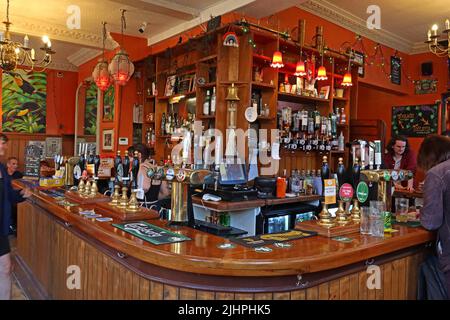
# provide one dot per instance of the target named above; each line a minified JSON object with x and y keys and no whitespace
{"x":202,"y":255}
{"x":249,"y":204}
{"x":407,"y":194}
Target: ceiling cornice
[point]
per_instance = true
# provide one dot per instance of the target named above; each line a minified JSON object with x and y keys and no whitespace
{"x":83,"y":55}
{"x":63,"y":66}
{"x":38,"y":28}
{"x":343,"y":18}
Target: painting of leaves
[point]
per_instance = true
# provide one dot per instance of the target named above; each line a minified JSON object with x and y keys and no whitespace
{"x":90,"y":114}
{"x":108,"y":104}
{"x":24,"y":98}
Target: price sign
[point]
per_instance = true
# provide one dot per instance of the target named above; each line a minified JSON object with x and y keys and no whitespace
{"x":362,"y":192}
{"x":346,"y":192}
{"x":330,"y":191}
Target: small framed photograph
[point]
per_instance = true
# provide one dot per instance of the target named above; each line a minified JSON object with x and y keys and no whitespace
{"x":108,"y":139}
{"x":324,"y":92}
{"x":184,"y":85}
{"x":170,"y":85}
{"x":359,"y":58}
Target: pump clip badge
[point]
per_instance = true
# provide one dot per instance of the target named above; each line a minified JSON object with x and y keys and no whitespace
{"x":181,"y":176}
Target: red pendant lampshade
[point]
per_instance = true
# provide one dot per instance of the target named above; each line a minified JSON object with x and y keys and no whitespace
{"x":277,"y":60}
{"x":101,"y":75}
{"x":322,"y":73}
{"x":347,"y":82}
{"x":300,"y":70}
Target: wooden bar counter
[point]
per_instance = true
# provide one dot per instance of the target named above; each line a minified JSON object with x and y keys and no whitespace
{"x":117,"y":265}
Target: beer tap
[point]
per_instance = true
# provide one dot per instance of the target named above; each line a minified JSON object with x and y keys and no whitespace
{"x":134,"y":170}
{"x":378,"y":154}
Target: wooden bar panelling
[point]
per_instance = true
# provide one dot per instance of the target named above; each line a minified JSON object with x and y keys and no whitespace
{"x":51,"y":247}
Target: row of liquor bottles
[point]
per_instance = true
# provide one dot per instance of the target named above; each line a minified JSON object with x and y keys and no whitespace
{"x":310,"y":122}
{"x":172,"y":122}
{"x":309,"y":182}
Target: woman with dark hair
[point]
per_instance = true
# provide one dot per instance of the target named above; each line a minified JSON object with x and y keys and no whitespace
{"x":434,"y":159}
{"x":400,"y":157}
{"x":153,"y":190}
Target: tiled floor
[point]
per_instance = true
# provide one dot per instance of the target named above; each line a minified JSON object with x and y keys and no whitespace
{"x":17,"y":292}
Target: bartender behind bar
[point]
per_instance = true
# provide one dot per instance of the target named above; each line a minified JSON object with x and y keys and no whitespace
{"x":399,"y":156}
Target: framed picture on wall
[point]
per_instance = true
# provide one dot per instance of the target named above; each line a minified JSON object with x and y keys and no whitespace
{"x":108,"y":105}
{"x":108,"y":139}
{"x":170,"y":85}
{"x":359,"y":58}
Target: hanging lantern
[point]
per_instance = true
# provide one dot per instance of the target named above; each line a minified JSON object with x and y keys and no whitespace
{"x":101,"y":75}
{"x":121,"y":68}
{"x":277,"y":60}
{"x":347,"y":82}
{"x":300,"y":70}
{"x":322,"y":74}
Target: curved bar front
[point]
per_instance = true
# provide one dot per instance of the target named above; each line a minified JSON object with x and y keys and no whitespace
{"x":115,"y":264}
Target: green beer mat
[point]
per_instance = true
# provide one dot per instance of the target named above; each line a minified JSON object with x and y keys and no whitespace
{"x":411,"y":224}
{"x":151,"y":233}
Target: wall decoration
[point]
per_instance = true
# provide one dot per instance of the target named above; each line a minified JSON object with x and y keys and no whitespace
{"x":170,"y":85}
{"x":108,"y":139}
{"x":396,"y":70}
{"x":230,"y":39}
{"x":359,"y":58}
{"x":425,"y":86}
{"x":108,"y":104}
{"x":53,"y":146}
{"x":24,"y":99}
{"x":415,"y":121}
{"x":90,"y":114}
{"x":34,"y":152}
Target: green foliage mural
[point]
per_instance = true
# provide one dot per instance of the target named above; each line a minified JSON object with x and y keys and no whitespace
{"x":24,"y":101}
{"x":90,"y":114}
{"x":108,"y":104}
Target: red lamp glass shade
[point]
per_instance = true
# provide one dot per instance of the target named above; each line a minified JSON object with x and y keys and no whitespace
{"x":121,"y":68}
{"x":300,"y":70}
{"x":347,"y":81}
{"x":101,"y":75}
{"x":277,"y":60}
{"x":322,"y":73}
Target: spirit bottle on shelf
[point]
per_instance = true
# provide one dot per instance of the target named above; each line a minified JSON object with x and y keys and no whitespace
{"x":317,"y":119}
{"x":206,"y":104}
{"x":213,"y":102}
{"x":163,"y":124}
{"x":343,"y":116}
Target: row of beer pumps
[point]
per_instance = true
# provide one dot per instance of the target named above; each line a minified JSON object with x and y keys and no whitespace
{"x":363,"y":176}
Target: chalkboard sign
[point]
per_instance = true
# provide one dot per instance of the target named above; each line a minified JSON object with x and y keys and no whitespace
{"x":34,"y":152}
{"x":396,"y":70}
{"x":415,"y":121}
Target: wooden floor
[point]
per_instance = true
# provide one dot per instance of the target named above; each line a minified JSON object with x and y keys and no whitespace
{"x":17,"y":291}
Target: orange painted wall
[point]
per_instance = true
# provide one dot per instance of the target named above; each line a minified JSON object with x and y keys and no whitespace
{"x":60,"y":102}
{"x":376,"y":92}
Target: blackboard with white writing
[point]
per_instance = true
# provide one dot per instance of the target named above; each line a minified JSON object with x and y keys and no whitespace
{"x":415,"y":121}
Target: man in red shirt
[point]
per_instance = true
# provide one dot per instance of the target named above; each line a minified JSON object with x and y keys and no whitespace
{"x":401,"y":157}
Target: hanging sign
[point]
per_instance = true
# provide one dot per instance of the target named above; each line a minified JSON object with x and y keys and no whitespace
{"x":396,"y":70}
{"x":230,"y":39}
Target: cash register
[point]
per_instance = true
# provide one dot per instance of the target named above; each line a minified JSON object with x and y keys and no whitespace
{"x":232,"y":183}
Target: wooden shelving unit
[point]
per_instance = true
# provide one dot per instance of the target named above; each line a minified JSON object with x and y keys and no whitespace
{"x":249,"y":70}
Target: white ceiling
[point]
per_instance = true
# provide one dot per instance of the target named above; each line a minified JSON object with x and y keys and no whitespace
{"x":404,"y":22}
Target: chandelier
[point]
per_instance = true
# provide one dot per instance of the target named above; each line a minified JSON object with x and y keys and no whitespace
{"x":121,"y":68}
{"x":433,"y":40}
{"x":101,"y":75}
{"x":14,"y":53}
